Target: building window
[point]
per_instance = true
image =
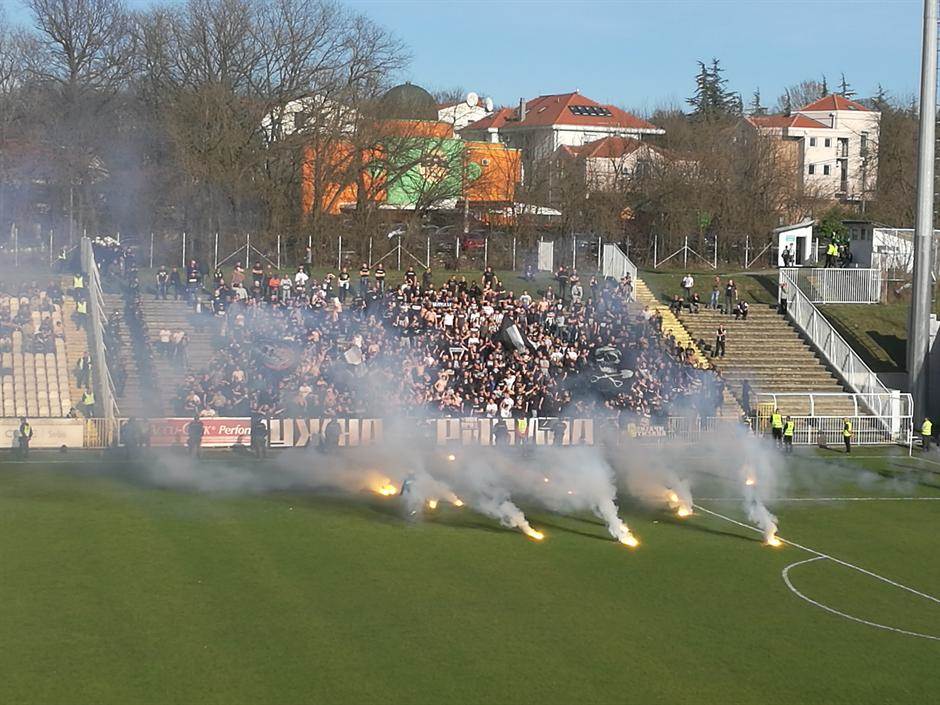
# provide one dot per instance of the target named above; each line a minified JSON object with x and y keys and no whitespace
{"x":812,"y":168}
{"x":863,"y":147}
{"x":812,"y":141}
{"x":828,"y":142}
{"x":825,"y":170}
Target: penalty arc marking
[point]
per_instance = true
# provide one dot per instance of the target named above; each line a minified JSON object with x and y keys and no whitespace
{"x":785,"y":574}
{"x":819,"y":555}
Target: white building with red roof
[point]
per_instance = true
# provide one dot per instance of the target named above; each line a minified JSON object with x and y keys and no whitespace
{"x":541,"y":125}
{"x":610,"y":163}
{"x":837,"y":146}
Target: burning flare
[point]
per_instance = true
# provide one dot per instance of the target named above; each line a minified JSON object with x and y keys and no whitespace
{"x":457,"y":502}
{"x":750,"y":481}
{"x":629,"y":539}
{"x":682,"y":508}
{"x":770,"y":539}
{"x":432,"y":504}
{"x":451,"y":457}
{"x":387,"y":489}
{"x":532,"y":533}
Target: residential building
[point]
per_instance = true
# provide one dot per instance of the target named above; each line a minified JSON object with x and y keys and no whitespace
{"x":540,"y":126}
{"x":461,"y":113}
{"x":609,"y":163}
{"x":836,"y":144}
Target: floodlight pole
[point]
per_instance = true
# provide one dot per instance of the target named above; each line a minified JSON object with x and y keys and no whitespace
{"x":919,"y":324}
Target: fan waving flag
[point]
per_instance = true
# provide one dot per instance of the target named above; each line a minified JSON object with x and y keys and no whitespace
{"x":511,"y":337}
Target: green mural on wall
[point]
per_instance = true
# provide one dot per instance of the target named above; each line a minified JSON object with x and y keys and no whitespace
{"x":425,"y":170}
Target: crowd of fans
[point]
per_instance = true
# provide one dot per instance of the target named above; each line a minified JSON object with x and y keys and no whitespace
{"x":30,"y":297}
{"x":296,"y":346}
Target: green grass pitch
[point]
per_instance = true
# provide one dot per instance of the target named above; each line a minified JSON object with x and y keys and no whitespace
{"x":111,"y":592}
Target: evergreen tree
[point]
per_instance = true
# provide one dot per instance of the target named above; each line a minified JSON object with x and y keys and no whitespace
{"x":879,"y":101}
{"x":755,"y":108}
{"x":712,"y":100}
{"x":845,"y":90}
{"x":823,"y":88}
{"x":787,"y":103}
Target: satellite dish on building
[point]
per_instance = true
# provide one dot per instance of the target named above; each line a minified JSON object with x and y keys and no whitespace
{"x":489,"y":105}
{"x":472,"y":99}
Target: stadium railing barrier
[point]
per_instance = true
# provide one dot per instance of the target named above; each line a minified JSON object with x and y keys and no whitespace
{"x":838,"y":353}
{"x":896,"y":426}
{"x":223,"y":432}
{"x":616,"y":264}
{"x":832,"y":285}
{"x":101,"y":379}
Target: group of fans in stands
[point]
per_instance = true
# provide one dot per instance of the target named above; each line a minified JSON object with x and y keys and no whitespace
{"x":465,"y":348}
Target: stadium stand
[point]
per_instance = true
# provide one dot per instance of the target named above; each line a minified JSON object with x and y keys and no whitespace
{"x":34,"y":379}
{"x":765,"y":353}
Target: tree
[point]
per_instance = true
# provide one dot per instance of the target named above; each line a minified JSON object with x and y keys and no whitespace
{"x":824,"y":87}
{"x":845,"y":90}
{"x":712,"y":100}
{"x":755,"y":108}
{"x":800,"y":94}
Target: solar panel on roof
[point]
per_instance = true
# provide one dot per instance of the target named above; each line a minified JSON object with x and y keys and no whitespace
{"x":589,"y":110}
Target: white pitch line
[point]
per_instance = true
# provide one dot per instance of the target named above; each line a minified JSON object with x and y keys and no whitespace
{"x":785,"y":574}
{"x":825,"y":555}
{"x":827,"y":499}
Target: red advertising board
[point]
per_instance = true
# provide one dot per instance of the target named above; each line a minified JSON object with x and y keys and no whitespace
{"x":219,"y":432}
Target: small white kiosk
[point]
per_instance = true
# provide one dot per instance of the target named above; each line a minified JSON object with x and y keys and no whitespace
{"x":798,"y":238}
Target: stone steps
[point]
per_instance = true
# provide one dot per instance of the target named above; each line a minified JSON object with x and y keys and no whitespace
{"x":770,"y":355}
{"x":730,"y":407}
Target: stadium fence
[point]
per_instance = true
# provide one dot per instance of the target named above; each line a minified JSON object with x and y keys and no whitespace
{"x":832,"y":285}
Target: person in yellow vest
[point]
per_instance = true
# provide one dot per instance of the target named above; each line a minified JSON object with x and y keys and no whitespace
{"x":88,"y":403}
{"x":926,"y":433}
{"x":81,"y":313}
{"x":788,"y":428}
{"x":776,"y":427}
{"x":522,"y":427}
{"x":847,"y":434}
{"x":832,"y":251}
{"x":78,"y":284}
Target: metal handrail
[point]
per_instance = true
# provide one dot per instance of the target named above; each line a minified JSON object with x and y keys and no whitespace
{"x":838,"y":353}
{"x":834,"y":285}
{"x":103,"y":385}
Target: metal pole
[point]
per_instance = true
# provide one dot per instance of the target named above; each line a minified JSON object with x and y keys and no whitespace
{"x":184,"y":249}
{"x":655,"y":250}
{"x":486,"y":251}
{"x":399,"y":253}
{"x":370,"y":252}
{"x":278,"y":258}
{"x":428,"y":257}
{"x":339,"y":254}
{"x":119,"y":237}
{"x":50,"y":246}
{"x":716,"y":251}
{"x":16,"y":246}
{"x":600,"y":248}
{"x":151,"y":250}
{"x":457,"y":251}
{"x":247,"y":250}
{"x":685,"y":253}
{"x":923,"y":229}
{"x":514,"y":253}
{"x":216,"y":264}
{"x":574,"y":252}
{"x":747,"y":249}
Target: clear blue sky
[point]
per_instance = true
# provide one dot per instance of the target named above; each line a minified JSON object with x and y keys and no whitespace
{"x":643,"y":53}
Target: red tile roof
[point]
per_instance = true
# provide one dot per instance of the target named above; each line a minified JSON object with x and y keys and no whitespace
{"x":834,"y":102}
{"x":549,"y":110}
{"x":496,"y":119}
{"x":784,"y":121}
{"x":556,"y":110}
{"x":607,"y":148}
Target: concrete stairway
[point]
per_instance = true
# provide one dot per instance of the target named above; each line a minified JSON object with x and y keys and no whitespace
{"x":177,"y":315}
{"x":76,"y":345}
{"x":133,"y":401}
{"x":672,"y":326}
{"x":767,"y":354}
